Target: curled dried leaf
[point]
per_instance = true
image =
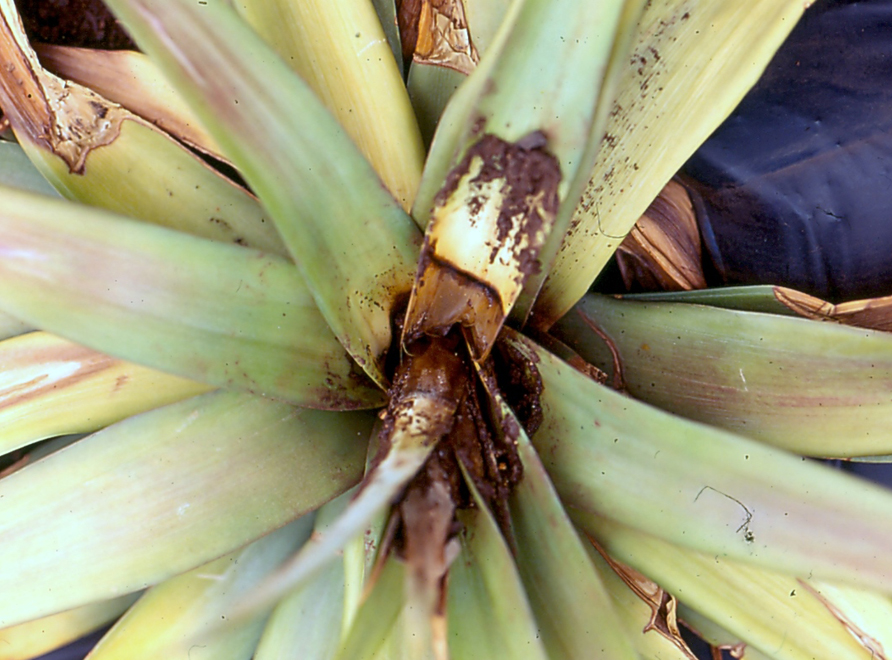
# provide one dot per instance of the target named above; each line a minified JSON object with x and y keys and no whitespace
{"x":663,"y":605}
{"x":873,"y":313}
{"x":436,"y":32}
{"x":663,"y":250}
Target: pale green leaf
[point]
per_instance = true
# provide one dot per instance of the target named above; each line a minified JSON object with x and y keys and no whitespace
{"x":386,"y":10}
{"x":33,"y":638}
{"x":744,"y":298}
{"x":691,"y":64}
{"x":705,"y":488}
{"x":775,"y":613}
{"x":210,"y":312}
{"x":379,"y":615}
{"x":16,"y":171}
{"x":353,"y":243}
{"x":430,"y":88}
{"x":176,"y":616}
{"x":307,"y":623}
{"x":574,"y":612}
{"x":164,"y":492}
{"x":819,"y":389}
{"x":486,"y":607}
{"x":410,"y":445}
{"x":145,"y":174}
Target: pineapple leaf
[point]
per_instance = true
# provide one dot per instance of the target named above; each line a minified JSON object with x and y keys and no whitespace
{"x":131,"y":79}
{"x":378,"y":618}
{"x":310,"y":618}
{"x":745,"y":298}
{"x":50,"y":387}
{"x":573,"y":610}
{"x":172,"y":618}
{"x":16,"y":171}
{"x":214,"y":313}
{"x":224,"y":469}
{"x":487,"y":609}
{"x":819,"y":389}
{"x":319,"y":37}
{"x":410,"y":445}
{"x":96,"y":152}
{"x":35,"y":638}
{"x":146,"y":175}
{"x":789,"y":623}
{"x":641,"y":609}
{"x":705,"y":488}
{"x":691,"y":64}
{"x":353,"y":243}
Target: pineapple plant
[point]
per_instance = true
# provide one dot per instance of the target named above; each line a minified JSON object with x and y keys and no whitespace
{"x":344,"y":403}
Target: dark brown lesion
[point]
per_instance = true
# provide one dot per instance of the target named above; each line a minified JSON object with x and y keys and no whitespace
{"x":532,"y":176}
{"x":518,"y":217}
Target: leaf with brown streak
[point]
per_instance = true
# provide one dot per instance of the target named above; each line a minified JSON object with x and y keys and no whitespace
{"x":49,"y":386}
{"x":663,"y":605}
{"x":868,"y":641}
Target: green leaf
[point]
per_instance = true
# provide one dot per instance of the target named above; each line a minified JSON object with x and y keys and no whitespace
{"x":378,"y":620}
{"x":386,"y":10}
{"x":409,"y":446}
{"x":210,"y":312}
{"x":819,"y":389}
{"x":430,"y":88}
{"x":307,"y":623}
{"x":691,"y":64}
{"x":97,"y":152}
{"x":318,"y":37}
{"x":351,"y":240}
{"x":40,"y":636}
{"x":175,"y":617}
{"x":743,"y":298}
{"x":164,"y":492}
{"x":16,"y":171}
{"x":144,"y":174}
{"x":486,"y":607}
{"x":705,"y":488}
{"x":574,"y":612}
{"x":775,"y":613}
